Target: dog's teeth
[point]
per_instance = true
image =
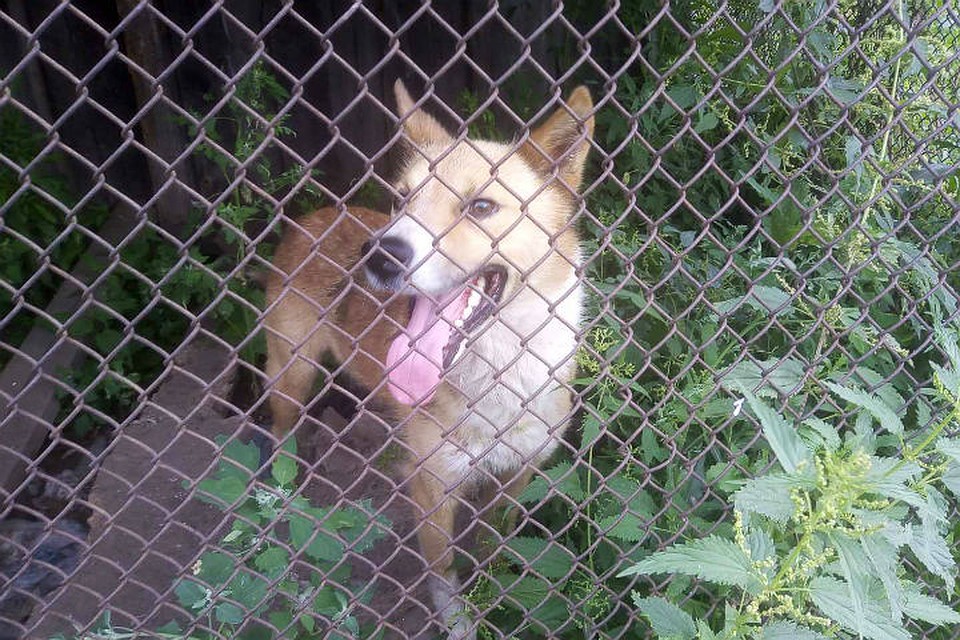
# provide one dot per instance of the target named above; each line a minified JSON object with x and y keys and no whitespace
{"x":458,"y":323}
{"x":474,"y":299}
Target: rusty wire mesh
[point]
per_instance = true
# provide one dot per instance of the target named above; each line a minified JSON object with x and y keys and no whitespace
{"x":769,"y":200}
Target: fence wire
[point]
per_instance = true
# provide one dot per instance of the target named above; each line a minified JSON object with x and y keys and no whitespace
{"x":494,"y":320}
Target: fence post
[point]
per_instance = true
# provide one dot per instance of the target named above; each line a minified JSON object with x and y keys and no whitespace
{"x":145,"y":45}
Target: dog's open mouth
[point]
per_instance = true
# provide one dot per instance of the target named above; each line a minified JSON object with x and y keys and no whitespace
{"x":436,"y":336}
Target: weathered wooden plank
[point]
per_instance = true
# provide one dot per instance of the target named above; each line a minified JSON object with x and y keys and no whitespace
{"x":29,"y":381}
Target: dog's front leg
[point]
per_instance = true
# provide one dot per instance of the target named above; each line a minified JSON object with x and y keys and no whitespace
{"x":437,"y":504}
{"x":501,"y":515}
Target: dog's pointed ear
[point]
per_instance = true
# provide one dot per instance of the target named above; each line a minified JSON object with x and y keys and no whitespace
{"x":563,"y":141}
{"x":420,"y":127}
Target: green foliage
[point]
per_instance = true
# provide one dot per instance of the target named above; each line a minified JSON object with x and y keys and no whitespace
{"x":39,"y":228}
{"x":246,"y":141}
{"x":154,"y":296}
{"x":259,"y":574}
{"x":481,"y":123}
{"x":149,"y":301}
{"x":836,"y":565}
{"x":769,"y":250}
{"x":280,"y":571}
{"x":519,"y":97}
{"x":766,"y":232}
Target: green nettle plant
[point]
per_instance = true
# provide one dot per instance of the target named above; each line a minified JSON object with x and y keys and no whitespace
{"x":248,"y":131}
{"x":39,"y":222}
{"x":846,"y":536}
{"x":257,"y":574}
{"x":750,"y":215}
{"x":191,"y":282}
{"x":281,"y":571}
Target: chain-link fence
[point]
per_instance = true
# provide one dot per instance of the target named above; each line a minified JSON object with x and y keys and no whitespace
{"x":659,"y":339}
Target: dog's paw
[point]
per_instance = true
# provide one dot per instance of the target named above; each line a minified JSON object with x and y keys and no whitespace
{"x":445,"y":592}
{"x":462,"y":629}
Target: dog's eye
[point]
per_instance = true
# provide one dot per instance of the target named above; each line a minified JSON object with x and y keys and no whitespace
{"x":481,"y":208}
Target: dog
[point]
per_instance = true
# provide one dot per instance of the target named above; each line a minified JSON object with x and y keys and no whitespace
{"x":459,"y":313}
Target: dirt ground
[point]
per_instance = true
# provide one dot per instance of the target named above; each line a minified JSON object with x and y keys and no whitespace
{"x":147,"y":528}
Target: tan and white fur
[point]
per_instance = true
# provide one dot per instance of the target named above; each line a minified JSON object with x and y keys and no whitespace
{"x":467,"y":208}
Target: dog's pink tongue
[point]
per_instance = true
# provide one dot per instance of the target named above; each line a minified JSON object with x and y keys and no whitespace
{"x":415,"y":358}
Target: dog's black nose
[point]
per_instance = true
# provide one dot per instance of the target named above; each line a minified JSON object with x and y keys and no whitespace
{"x":388,"y":260}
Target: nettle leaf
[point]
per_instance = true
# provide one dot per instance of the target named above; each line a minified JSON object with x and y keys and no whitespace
{"x":782,"y":437}
{"x":731,"y":618}
{"x":667,"y":619}
{"x":280,"y":620}
{"x":845,"y":91}
{"x":330,"y":602}
{"x":356,"y":525}
{"x":884,"y":560}
{"x":920,"y":606}
{"x":545,"y":557}
{"x":949,"y":343}
{"x":216,"y":567}
{"x":862,"y":436}
{"x":891,"y":470}
{"x":192,"y":595}
{"x":169,"y":630}
{"x":767,"y":378}
{"x":888,"y":477}
{"x":624,"y":526}
{"x":272,"y":561}
{"x":931,"y":548}
{"x":872,"y":404}
{"x":319,"y":545}
{"x":856,"y":569}
{"x":704,"y":632}
{"x":821,"y":432}
{"x":832,"y":597}
{"x":525,"y":593}
{"x":325,"y":547}
{"x":235,"y":471}
{"x":248,"y":589}
{"x":770,"y":496}
{"x":222,"y":491}
{"x":284,"y":470}
{"x":228,"y":613}
{"x":352,"y":625}
{"x":951,"y":478}
{"x":783,"y":630}
{"x":761,"y":545}
{"x":306,"y":621}
{"x":707,"y":122}
{"x":245,"y":454}
{"x":949,"y":378}
{"x":950,"y":447}
{"x":936,"y":507}
{"x":765,"y":299}
{"x":561,"y":478}
{"x":892,"y":530}
{"x":551,"y":615}
{"x":631,"y":495}
{"x":713,"y":559}
{"x":592,"y":430}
